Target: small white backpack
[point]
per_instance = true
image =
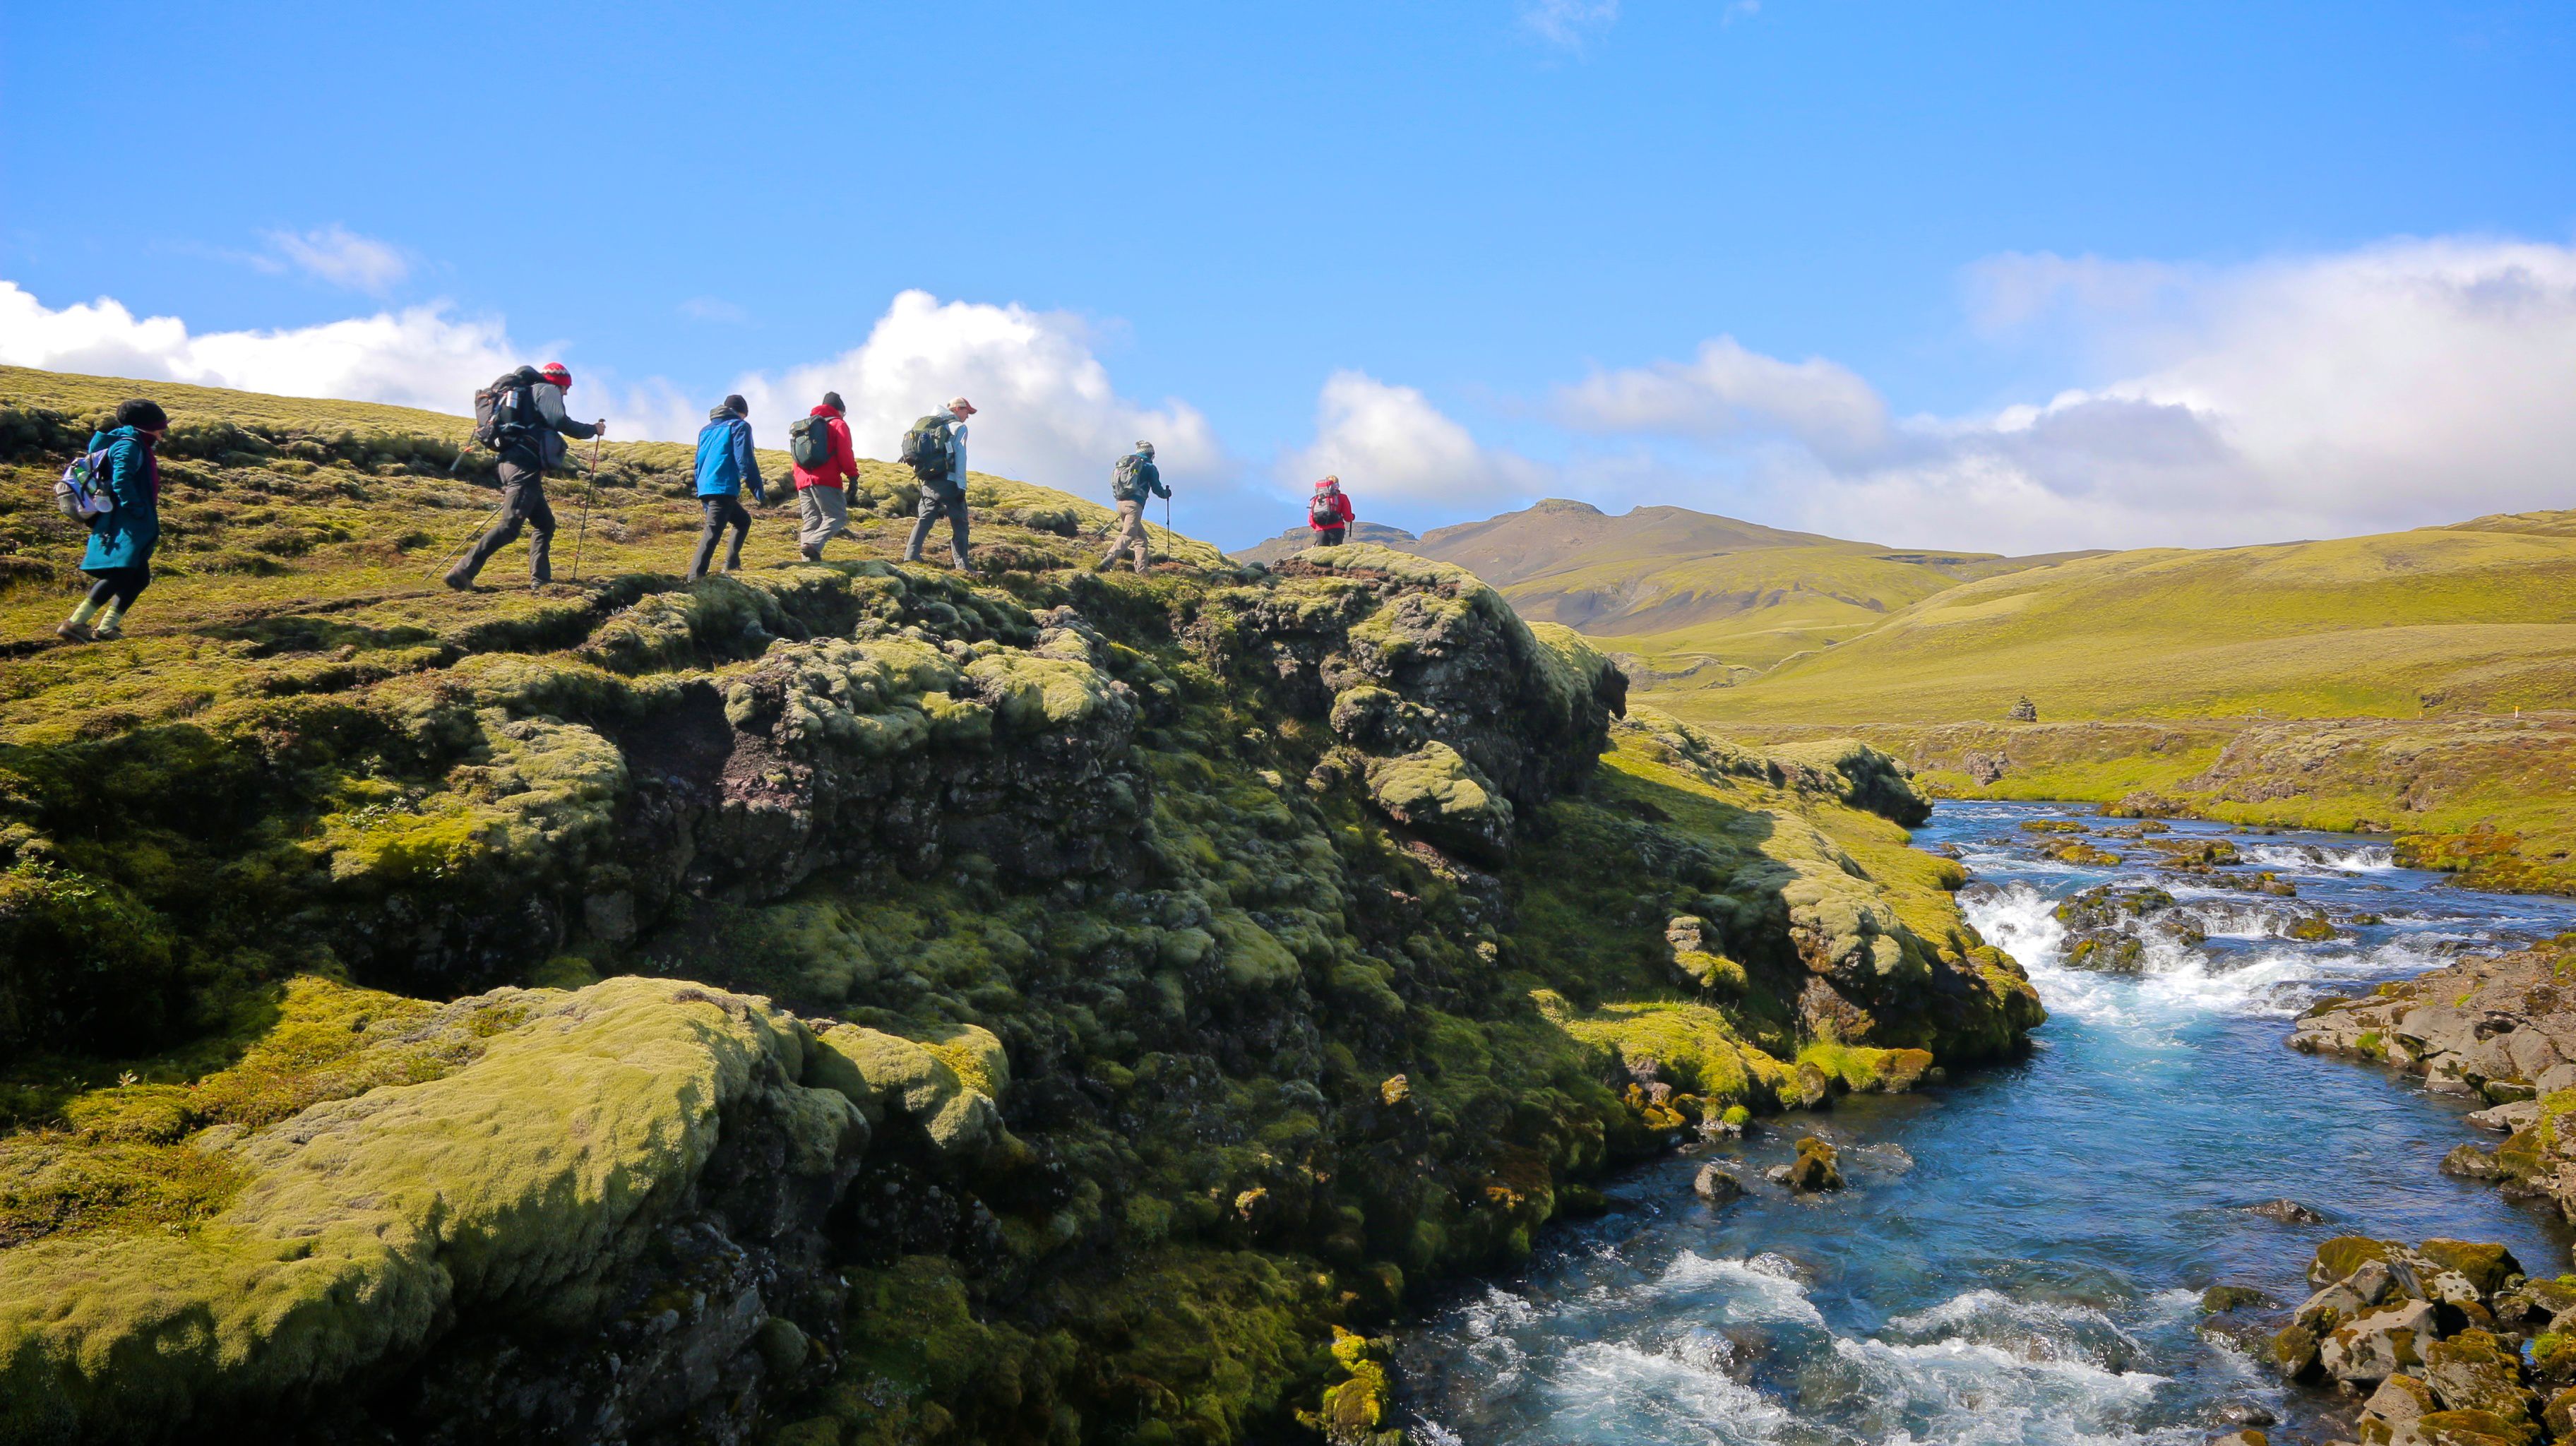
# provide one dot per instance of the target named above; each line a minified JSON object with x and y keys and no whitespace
{"x":82,"y":495}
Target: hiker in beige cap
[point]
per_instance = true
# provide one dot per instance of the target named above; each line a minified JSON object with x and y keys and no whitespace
{"x":936,"y":450}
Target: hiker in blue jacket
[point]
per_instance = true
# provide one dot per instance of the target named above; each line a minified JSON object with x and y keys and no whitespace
{"x":725,"y":466}
{"x":122,"y":538}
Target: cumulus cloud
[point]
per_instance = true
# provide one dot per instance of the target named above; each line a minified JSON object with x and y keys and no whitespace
{"x":1568,"y":24}
{"x":339,"y":256}
{"x":2408,"y":383}
{"x":1728,"y":390}
{"x":418,"y":357}
{"x":1046,"y":411}
{"x":1393,"y":442}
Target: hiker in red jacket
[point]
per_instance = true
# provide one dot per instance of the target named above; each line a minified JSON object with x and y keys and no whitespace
{"x":1329,"y":514}
{"x":822,"y":501}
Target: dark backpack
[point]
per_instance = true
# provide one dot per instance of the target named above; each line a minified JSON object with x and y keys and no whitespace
{"x":506,"y":410}
{"x":925,"y":449}
{"x":1127,"y":483}
{"x":809,"y":441}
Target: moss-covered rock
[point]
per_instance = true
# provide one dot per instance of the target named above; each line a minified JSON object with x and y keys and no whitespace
{"x":1204,"y":957}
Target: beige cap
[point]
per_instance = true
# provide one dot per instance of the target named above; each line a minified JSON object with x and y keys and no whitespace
{"x":960,"y":404}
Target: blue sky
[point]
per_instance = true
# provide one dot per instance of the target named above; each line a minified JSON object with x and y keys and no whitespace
{"x":1470,"y":208}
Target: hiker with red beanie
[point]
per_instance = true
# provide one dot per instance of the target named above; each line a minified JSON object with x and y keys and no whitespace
{"x":529,"y":425}
{"x":1329,"y":513}
{"x":826,"y":464}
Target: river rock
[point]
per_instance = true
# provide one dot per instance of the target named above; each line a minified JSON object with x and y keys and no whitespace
{"x":2245,"y":1413}
{"x":2286,"y":1212}
{"x":2488,"y":1266}
{"x":2468,"y":1162}
{"x":2505,"y":1119}
{"x":2246,"y":1437}
{"x":2345,"y":1299}
{"x":2110,"y":926}
{"x":2377,"y":1345}
{"x":2502,"y":1028}
{"x":2473,"y":1371}
{"x":2221,"y":1298}
{"x":1716,"y":1186}
{"x":2401,"y":1398}
{"x":1816,"y":1167}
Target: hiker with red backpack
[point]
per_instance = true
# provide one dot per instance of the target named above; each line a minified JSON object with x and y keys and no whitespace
{"x":726,"y":464}
{"x":521,"y":417}
{"x":115,"y":487}
{"x":935,"y":450}
{"x":819,"y":445}
{"x":1328,"y":513}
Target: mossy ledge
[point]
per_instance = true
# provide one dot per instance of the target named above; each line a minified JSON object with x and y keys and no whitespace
{"x":838,"y":1003}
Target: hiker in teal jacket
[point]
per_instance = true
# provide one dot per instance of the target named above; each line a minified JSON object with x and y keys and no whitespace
{"x":725,"y":464}
{"x":122,"y":538}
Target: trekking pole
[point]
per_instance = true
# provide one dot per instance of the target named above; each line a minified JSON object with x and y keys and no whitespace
{"x":479,"y":529}
{"x":1171,"y":547}
{"x":588,"y":491}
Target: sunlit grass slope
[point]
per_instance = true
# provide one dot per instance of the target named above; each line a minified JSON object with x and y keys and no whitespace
{"x":273,"y":502}
{"x":1700,"y":600}
{"x":2476,"y":618}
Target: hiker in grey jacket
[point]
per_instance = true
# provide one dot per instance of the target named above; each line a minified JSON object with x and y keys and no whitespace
{"x":948,"y":501}
{"x":1135,"y":480}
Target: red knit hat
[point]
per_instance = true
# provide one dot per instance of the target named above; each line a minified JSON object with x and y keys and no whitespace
{"x":557,"y":373}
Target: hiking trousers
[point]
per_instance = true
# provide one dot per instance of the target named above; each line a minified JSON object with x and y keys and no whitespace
{"x":1131,"y":534}
{"x":822,"y":513}
{"x":1329,"y":536}
{"x":722,"y":512}
{"x":120,"y":585}
{"x":935,"y":505}
{"x":523,"y":505}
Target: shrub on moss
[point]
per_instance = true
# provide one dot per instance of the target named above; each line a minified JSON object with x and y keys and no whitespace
{"x":83,"y":964}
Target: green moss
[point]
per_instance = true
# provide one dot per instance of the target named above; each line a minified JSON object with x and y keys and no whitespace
{"x":1302,"y":966}
{"x":523,"y":1167}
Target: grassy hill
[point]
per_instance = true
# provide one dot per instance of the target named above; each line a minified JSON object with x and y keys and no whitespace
{"x":1694,"y":600}
{"x":2474,"y":618}
{"x":2414,"y":683}
{"x":1299,"y":538}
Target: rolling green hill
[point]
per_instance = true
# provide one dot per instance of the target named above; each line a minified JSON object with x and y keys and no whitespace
{"x":2414,"y":683}
{"x":2474,"y":618}
{"x":1691,"y":599}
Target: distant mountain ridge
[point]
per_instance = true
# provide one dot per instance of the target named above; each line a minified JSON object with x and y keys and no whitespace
{"x":1691,"y":598}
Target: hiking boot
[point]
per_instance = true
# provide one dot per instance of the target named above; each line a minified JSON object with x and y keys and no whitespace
{"x":459,"y":581}
{"x":75,"y":633}
{"x":107,"y":632}
{"x":810,"y":553}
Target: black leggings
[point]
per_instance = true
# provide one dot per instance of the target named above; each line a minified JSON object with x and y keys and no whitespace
{"x":120,"y":585}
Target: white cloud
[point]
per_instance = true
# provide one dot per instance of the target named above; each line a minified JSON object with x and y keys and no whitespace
{"x":2394,"y":386}
{"x":1046,"y":411}
{"x":1729,"y":390}
{"x":341,"y":257}
{"x":1393,"y":443}
{"x":418,"y":357}
{"x":709,"y":308}
{"x":1568,"y":24}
